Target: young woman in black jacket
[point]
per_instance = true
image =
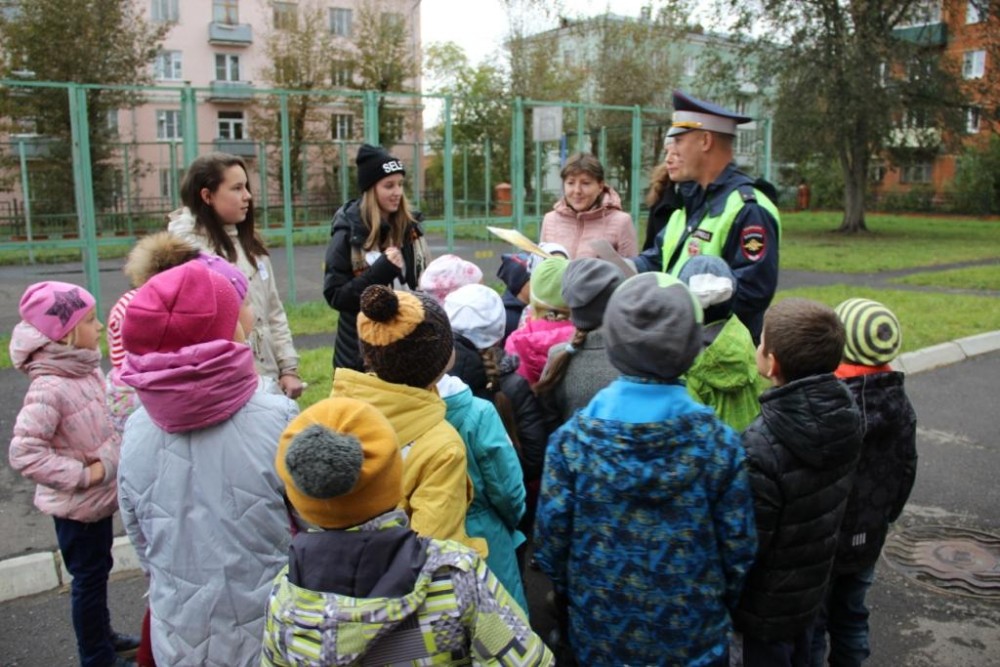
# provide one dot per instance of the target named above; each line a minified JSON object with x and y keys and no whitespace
{"x":374,"y":240}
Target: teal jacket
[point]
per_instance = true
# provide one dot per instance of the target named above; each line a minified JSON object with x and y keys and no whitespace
{"x":724,"y":376}
{"x":498,"y":499}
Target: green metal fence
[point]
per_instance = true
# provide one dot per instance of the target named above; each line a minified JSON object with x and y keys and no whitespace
{"x":300,"y":149}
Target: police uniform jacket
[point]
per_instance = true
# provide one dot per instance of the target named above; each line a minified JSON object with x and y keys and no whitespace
{"x":750,"y":246}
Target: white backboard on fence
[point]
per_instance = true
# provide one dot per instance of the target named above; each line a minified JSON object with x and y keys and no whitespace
{"x":546,"y":123}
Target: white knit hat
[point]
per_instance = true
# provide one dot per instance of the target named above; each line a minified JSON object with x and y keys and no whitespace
{"x":477,"y":312}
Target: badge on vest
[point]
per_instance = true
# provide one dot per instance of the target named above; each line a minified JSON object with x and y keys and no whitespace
{"x":703,"y":235}
{"x":753,"y":242}
{"x":694,"y":249}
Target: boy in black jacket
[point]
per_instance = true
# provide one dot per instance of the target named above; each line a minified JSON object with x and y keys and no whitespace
{"x":882,"y":481}
{"x":801,"y":452}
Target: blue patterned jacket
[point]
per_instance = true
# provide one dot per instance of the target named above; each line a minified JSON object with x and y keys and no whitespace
{"x":646,"y":522}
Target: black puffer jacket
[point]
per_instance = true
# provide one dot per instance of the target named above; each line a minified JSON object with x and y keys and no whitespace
{"x":801,"y":454}
{"x":342,"y":289}
{"x":531,"y":431}
{"x":885,"y":472}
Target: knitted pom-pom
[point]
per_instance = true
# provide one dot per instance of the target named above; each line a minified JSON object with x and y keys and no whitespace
{"x":323,"y":463}
{"x":379,"y":303}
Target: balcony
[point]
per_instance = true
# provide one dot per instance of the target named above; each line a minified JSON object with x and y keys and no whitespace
{"x":35,"y":146}
{"x":230,"y":34}
{"x":241,"y":147}
{"x":230,"y":91}
{"x":928,"y":34}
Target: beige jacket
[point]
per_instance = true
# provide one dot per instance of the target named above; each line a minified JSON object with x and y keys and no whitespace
{"x":271,"y":339}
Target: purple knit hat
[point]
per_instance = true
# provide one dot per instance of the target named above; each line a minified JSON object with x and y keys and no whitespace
{"x":228,"y":271}
{"x":55,"y":308}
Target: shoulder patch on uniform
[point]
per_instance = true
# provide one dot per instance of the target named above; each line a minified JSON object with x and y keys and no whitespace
{"x":753,"y":242}
{"x":702,"y":235}
{"x":748,"y":194}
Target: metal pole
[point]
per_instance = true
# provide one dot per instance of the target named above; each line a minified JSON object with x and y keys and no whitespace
{"x":517,"y":191}
{"x":449,"y":175}
{"x":371,"y":117}
{"x":172,"y":147}
{"x":128,"y":193}
{"x":580,"y":120}
{"x":602,"y":145}
{"x":344,"y":187}
{"x":768,"y":134}
{"x":539,"y":178}
{"x":286,"y":186}
{"x":417,"y":181}
{"x":262,"y":161}
{"x":84,"y":187}
{"x":190,"y":115}
{"x":633,"y":189}
{"x":26,"y":193}
{"x":487,"y":177}
{"x":465,"y":181}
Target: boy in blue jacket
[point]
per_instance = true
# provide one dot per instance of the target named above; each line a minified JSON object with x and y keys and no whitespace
{"x":645,"y":521}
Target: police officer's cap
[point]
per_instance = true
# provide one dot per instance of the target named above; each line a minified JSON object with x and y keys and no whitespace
{"x":694,"y":114}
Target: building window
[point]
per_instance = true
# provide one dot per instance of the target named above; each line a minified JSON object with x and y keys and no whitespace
{"x":690,"y":66}
{"x":343,"y":126}
{"x":972,"y":116}
{"x":923,"y":12}
{"x":165,"y":11}
{"x":168,"y":125}
{"x":112,"y":122}
{"x":917,"y":119}
{"x":342,"y":75}
{"x":973,"y":64}
{"x":569,"y":58}
{"x":285,"y":15}
{"x":227,"y":67}
{"x":740,"y":106}
{"x":231,"y":125}
{"x":745,"y":140}
{"x":392,"y":21}
{"x":340,"y":21}
{"x":226,"y":11}
{"x":973,"y":11}
{"x":393,"y":126}
{"x":167,"y":66}
{"x":170,"y":182}
{"x":919,"y":172}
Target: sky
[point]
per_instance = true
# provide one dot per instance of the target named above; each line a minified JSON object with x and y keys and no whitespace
{"x":480,"y":26}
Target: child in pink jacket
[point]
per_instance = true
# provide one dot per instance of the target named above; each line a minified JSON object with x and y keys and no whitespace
{"x":64,"y":441}
{"x":548,"y":324}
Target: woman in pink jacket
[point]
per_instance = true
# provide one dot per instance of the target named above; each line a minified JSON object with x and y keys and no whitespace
{"x":64,"y":441}
{"x":590,"y":210}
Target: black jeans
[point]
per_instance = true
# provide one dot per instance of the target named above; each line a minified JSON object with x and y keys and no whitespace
{"x":86,"y":552}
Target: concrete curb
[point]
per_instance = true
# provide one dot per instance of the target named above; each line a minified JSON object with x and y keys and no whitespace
{"x":948,"y":353}
{"x":39,"y":572}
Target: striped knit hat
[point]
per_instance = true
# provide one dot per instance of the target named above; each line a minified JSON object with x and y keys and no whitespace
{"x":873,"y":333}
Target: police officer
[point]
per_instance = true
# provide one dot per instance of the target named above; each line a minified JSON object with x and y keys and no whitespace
{"x":723,"y":213}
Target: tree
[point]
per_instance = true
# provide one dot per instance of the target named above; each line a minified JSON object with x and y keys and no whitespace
{"x":635,"y":67}
{"x":106,"y":42}
{"x":301,"y":53}
{"x":851,"y":84}
{"x":383,"y":60}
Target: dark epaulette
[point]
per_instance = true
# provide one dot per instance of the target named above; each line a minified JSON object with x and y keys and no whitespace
{"x":748,"y":193}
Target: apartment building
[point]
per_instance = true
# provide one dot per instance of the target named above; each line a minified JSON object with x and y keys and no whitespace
{"x":968,"y":36}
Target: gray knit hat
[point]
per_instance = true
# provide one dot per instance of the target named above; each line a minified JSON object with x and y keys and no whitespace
{"x":586,"y":286}
{"x":652,"y":327}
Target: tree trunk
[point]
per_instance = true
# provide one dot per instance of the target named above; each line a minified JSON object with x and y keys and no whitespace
{"x":855,"y":166}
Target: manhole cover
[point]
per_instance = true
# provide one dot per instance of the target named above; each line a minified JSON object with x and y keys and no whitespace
{"x":954,"y":560}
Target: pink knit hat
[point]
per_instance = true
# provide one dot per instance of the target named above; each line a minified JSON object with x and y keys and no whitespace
{"x":446,"y":274}
{"x":185,"y":305}
{"x":55,"y":308}
{"x":228,"y":271}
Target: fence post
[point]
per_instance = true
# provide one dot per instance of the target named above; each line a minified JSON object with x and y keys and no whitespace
{"x":768,"y":132}
{"x":417,"y":181}
{"x":487,"y":177}
{"x":344,"y":182}
{"x":371,"y":116}
{"x":83,"y":187}
{"x":190,"y":114}
{"x":130,"y":224}
{"x":581,"y":120}
{"x":262,"y":193}
{"x":449,"y":175}
{"x":26,"y":194}
{"x":633,"y":189}
{"x":286,"y":198}
{"x":517,"y":191}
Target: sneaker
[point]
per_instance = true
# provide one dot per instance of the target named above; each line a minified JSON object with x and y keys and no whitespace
{"x":125,"y":646}
{"x":123,"y":662}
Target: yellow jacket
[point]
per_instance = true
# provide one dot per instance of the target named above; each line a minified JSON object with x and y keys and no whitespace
{"x":437,"y":490}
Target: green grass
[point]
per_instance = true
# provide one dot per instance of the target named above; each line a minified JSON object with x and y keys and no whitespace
{"x":973,"y":278}
{"x":316,"y":368}
{"x":809,"y":242}
{"x":312,"y":317}
{"x":927,"y":318}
